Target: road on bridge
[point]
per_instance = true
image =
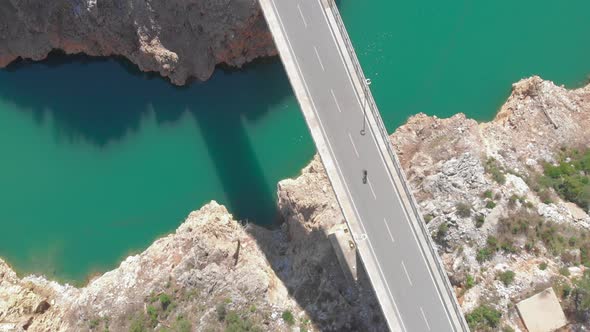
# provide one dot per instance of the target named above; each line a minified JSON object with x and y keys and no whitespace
{"x":402,"y":266}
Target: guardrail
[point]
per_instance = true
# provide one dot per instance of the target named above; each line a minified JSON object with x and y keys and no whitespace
{"x":383,"y":131}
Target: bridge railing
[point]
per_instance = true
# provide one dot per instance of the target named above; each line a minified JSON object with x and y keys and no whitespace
{"x":368,"y":96}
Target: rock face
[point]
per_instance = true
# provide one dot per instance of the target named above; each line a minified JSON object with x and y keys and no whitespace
{"x":492,"y":169}
{"x":213,"y":273}
{"x":177,"y":38}
{"x":210,"y":260}
{"x":470,"y":180}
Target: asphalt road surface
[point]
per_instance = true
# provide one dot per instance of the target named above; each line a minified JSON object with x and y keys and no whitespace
{"x":405,"y":270}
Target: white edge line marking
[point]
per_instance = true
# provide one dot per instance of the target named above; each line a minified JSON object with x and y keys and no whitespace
{"x":371,"y":187}
{"x":317,"y":54}
{"x":407,"y":274}
{"x":335,"y":100}
{"x":390,"y":175}
{"x":353,"y":146}
{"x":302,"y":17}
{"x":397,"y":312}
{"x":425,"y":320}
{"x":388,"y":230}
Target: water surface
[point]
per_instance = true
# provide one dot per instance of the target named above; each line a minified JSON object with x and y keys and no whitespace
{"x":97,"y":160}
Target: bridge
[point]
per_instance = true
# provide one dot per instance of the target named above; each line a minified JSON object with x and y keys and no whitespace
{"x":380,"y":211}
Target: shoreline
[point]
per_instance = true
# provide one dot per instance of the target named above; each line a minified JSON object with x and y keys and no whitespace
{"x":500,"y":114}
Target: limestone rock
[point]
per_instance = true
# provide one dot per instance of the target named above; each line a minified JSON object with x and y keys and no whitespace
{"x":177,"y":38}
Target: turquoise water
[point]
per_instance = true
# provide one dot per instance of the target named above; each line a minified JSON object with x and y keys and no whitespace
{"x":446,"y":57}
{"x":98,"y":160}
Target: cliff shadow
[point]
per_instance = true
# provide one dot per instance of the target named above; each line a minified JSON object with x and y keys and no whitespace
{"x":85,"y":98}
{"x":102,"y":100}
{"x":307,"y":264}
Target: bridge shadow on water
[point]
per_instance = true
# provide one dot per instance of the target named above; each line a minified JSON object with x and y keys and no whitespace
{"x":106,"y":104}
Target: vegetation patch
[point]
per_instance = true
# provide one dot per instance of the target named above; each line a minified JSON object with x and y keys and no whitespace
{"x":483,"y":318}
{"x":235,"y":322}
{"x":441,"y":233}
{"x":463,"y":209}
{"x":469,"y":281}
{"x":165,"y":300}
{"x":490,"y":204}
{"x":480,"y":220}
{"x":180,"y":325}
{"x":484,"y":254}
{"x":506,"y":277}
{"x":570,"y":178}
{"x":580,"y":298}
{"x":221,"y":311}
{"x":557,"y":238}
{"x":138,"y":324}
{"x":288,"y":317}
{"x":496,"y":171}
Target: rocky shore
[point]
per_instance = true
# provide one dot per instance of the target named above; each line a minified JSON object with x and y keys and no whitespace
{"x":215,"y":273}
{"x":177,"y":38}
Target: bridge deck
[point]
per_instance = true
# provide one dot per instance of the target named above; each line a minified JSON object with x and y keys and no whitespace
{"x":412,"y":288}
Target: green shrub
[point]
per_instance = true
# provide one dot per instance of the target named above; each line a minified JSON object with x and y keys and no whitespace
{"x":507,"y":277}
{"x":490,"y":204}
{"x":492,"y":242}
{"x":288,"y":317}
{"x":543,"y":266}
{"x":479,"y":220}
{"x":564,"y":271}
{"x":152,"y":316}
{"x":165,"y":300}
{"x":428,"y":218}
{"x":182,"y":325}
{"x":93,"y":323}
{"x":443,"y":229}
{"x":483,"y":317}
{"x":566,"y":291}
{"x":221,"y":311}
{"x":304,"y":326}
{"x":463,"y":209}
{"x":484,"y":254}
{"x":508,"y":247}
{"x":545,"y":196}
{"x":238,"y":323}
{"x":581,"y":298}
{"x":469,"y":281}
{"x":138,"y":324}
{"x":488,"y":194}
{"x":493,"y":168}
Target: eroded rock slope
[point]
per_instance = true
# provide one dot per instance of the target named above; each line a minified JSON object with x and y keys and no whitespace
{"x":177,"y":38}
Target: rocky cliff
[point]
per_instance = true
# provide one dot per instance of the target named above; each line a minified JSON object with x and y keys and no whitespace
{"x":501,"y":232}
{"x":177,"y":38}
